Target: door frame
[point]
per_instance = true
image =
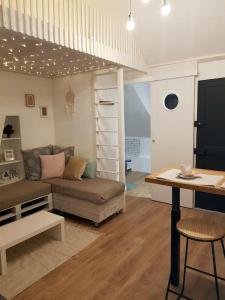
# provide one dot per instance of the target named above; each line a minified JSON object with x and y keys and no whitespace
{"x":128,"y":82}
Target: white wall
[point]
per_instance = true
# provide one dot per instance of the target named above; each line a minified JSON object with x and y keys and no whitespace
{"x":78,"y":130}
{"x":137,"y":106}
{"x":35,"y":131}
{"x":211,"y":70}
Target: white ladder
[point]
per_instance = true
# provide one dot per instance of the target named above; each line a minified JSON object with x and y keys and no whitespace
{"x":109,"y":124}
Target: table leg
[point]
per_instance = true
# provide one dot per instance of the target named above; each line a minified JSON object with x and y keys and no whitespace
{"x":3,"y":263}
{"x":57,"y":232}
{"x":175,"y":238}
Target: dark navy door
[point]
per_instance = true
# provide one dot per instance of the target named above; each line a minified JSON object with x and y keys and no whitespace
{"x":210,"y":148}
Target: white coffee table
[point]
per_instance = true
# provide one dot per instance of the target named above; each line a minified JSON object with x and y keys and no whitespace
{"x":25,"y":228}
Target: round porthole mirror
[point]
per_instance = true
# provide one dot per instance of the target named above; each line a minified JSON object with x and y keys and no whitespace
{"x":171,"y":101}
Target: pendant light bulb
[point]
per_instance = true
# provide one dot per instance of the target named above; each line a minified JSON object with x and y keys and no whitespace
{"x":145,"y":1}
{"x":130,"y":22}
{"x":166,"y":8}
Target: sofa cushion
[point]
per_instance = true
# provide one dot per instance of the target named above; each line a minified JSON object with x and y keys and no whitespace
{"x":52,"y":165}
{"x":96,"y":190}
{"x":75,"y":168}
{"x":90,"y":170}
{"x":22,"y":191}
{"x":69,"y":151}
{"x":32,"y":162}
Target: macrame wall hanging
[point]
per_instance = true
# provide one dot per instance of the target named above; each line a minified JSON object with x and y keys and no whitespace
{"x":70,"y":103}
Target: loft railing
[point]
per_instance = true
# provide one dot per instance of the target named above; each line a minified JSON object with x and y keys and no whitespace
{"x":73,"y":24}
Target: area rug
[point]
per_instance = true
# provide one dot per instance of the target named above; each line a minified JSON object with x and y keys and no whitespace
{"x":142,"y":190}
{"x":31,"y":260}
{"x":130,"y":186}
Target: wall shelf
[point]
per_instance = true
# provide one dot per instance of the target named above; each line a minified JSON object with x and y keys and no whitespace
{"x":7,"y":182}
{"x":4,"y":163}
{"x":11,"y":139}
{"x":14,"y":168}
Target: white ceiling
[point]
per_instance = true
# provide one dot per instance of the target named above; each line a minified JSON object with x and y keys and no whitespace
{"x":195,"y":28}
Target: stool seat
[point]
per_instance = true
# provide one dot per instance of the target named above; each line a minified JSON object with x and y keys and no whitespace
{"x":201,"y":229}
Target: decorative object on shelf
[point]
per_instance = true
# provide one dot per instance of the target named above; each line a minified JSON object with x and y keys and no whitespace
{"x":9,"y":175}
{"x":29,"y":100}
{"x":9,"y":155}
{"x":44,"y":111}
{"x":8,"y":131}
{"x":70,"y":103}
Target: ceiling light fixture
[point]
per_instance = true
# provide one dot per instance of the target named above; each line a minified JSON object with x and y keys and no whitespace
{"x":166,"y":8}
{"x":130,"y":21}
{"x":145,"y":1}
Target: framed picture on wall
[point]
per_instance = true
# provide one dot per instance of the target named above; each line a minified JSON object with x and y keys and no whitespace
{"x":29,"y":100}
{"x":9,"y":155}
{"x":43,"y":111}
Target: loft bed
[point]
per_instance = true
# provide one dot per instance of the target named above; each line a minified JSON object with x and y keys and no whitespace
{"x":52,"y":38}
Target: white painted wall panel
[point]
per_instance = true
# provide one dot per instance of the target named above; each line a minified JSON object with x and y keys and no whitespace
{"x":35,"y":131}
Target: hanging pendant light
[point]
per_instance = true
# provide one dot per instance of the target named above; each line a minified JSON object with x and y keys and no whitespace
{"x":166,"y":8}
{"x":130,"y":21}
{"x":145,"y":1}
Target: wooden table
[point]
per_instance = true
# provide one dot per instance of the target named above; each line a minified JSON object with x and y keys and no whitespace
{"x":175,"y":211}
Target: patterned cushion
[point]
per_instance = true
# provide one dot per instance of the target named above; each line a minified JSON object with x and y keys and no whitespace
{"x":32,"y":162}
{"x":69,"y":151}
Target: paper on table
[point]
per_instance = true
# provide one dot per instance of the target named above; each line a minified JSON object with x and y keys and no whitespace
{"x":204,"y":179}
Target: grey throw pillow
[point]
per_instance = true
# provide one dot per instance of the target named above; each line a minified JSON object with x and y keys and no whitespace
{"x":69,"y":151}
{"x":32,"y":162}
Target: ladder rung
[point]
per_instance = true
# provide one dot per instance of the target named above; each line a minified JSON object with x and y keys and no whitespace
{"x":105,"y":171}
{"x":106,"y":117}
{"x":112,"y":131}
{"x":107,"y":145}
{"x":107,"y":88}
{"x":108,"y":158}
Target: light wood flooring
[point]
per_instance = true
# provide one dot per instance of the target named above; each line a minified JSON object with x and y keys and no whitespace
{"x":131,"y":260}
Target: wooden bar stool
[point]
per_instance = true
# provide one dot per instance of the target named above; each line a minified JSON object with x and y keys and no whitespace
{"x":201,"y":230}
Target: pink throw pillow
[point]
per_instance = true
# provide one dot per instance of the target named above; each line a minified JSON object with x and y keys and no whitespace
{"x":52,"y":165}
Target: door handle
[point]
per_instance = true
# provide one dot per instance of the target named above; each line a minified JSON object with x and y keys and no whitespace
{"x":198,"y":124}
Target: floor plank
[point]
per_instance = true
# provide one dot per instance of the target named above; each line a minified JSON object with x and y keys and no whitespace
{"x":130,"y":260}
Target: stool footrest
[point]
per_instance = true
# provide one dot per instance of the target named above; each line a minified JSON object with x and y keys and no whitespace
{"x":178,"y":294}
{"x":203,"y":272}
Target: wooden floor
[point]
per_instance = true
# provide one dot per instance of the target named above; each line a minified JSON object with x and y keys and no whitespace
{"x":142,"y":189}
{"x":135,"y":177}
{"x":130,"y":261}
